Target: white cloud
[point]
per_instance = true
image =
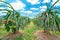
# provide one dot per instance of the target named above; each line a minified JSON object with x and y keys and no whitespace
{"x":34,"y":8}
{"x":2,"y":8}
{"x":57,"y":4}
{"x":43,"y":8}
{"x":33,"y":2}
{"x":35,"y":13}
{"x":46,"y":1}
{"x":21,"y":10}
{"x":18,"y":5}
{"x":28,"y":12}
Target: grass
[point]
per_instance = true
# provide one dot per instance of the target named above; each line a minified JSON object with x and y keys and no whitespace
{"x":28,"y":32}
{"x":27,"y":35}
{"x":3,"y":32}
{"x":57,"y":33}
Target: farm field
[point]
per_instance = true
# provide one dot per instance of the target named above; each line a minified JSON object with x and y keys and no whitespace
{"x":31,"y":33}
{"x":29,"y":20}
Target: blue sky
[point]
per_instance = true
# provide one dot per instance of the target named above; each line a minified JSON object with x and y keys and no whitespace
{"x":31,"y":8}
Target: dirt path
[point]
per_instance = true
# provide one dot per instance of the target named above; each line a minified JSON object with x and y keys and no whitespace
{"x":43,"y":36}
{"x":12,"y":36}
{"x":39,"y":35}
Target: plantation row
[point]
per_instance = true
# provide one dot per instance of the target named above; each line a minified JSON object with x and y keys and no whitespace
{"x":48,"y":20}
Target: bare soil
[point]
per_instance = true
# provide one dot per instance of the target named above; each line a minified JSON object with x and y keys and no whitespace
{"x":12,"y":36}
{"x":40,"y":35}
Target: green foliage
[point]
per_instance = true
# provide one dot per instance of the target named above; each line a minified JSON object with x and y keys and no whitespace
{"x":32,"y":24}
{"x":50,"y":18}
{"x":10,"y":17}
{"x":3,"y":31}
{"x":20,"y":37}
{"x":29,"y":33}
{"x":37,"y":22}
{"x":24,"y":21}
{"x":7,"y":28}
{"x":57,"y":33}
{"x":30,"y":30}
{"x":10,"y":25}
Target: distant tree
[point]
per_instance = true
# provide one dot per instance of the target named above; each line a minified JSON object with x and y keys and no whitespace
{"x":24,"y":21}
